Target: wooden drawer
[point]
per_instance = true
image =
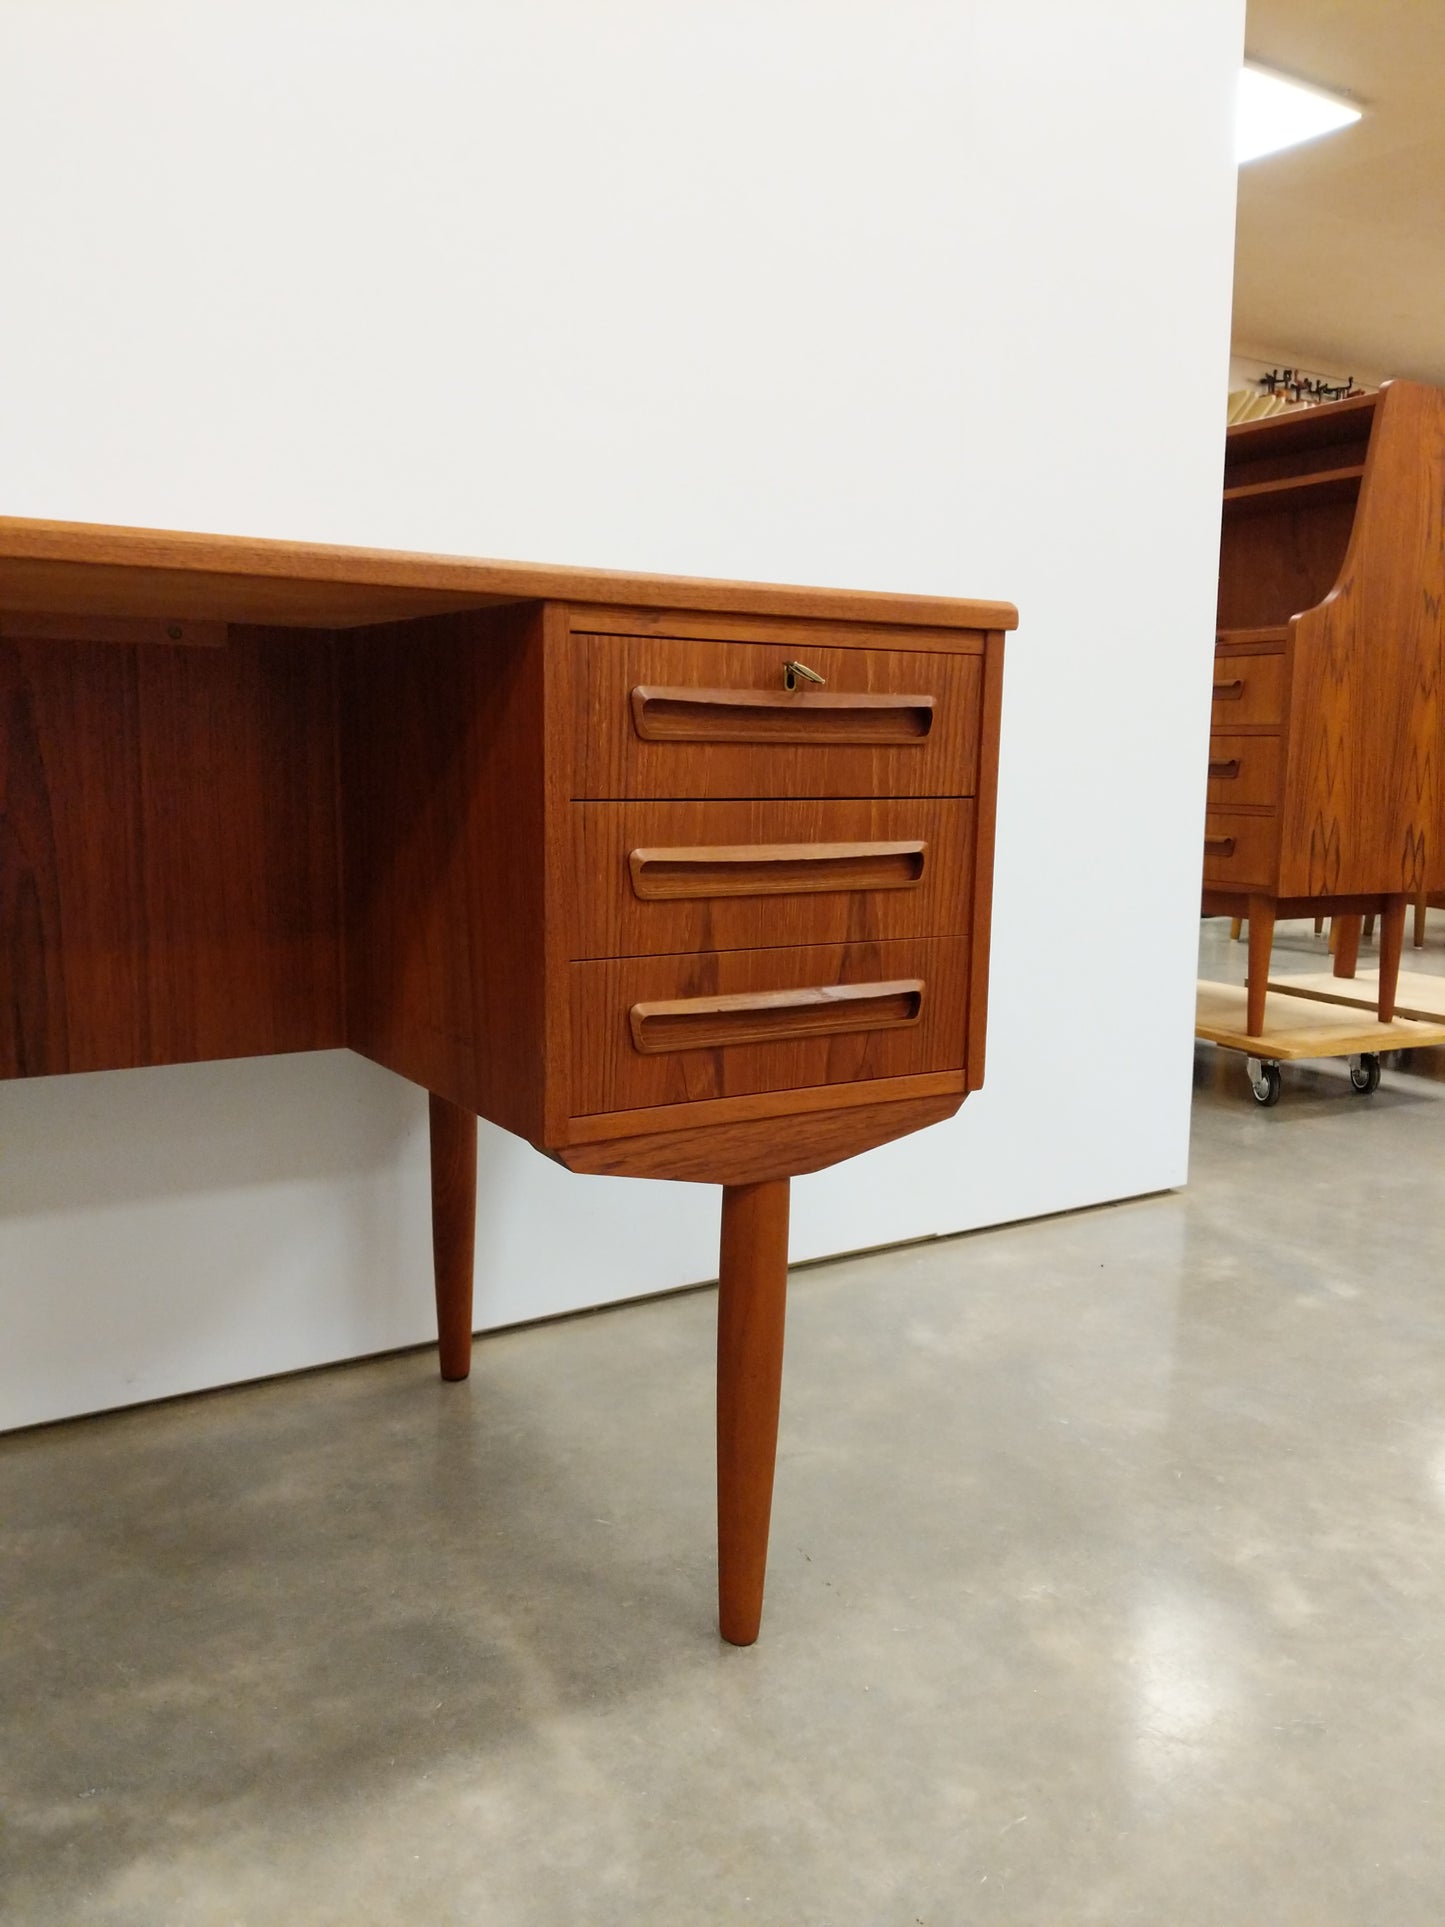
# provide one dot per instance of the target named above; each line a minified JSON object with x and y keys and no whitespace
{"x":1239,"y":851}
{"x":656,"y":877}
{"x":1248,"y":691}
{"x":1243,"y":769}
{"x":662,"y":717}
{"x":674,"y":1030}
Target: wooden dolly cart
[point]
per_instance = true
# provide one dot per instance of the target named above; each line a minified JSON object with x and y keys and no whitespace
{"x":1298,"y":1026}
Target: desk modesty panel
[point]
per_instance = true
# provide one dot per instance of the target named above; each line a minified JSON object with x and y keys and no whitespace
{"x":680,"y":879}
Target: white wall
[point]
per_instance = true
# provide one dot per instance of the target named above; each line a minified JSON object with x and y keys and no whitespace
{"x":814,"y":290}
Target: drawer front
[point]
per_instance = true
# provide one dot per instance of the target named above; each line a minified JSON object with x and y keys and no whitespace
{"x":1240,"y":851}
{"x":1243,"y":769}
{"x":655,"y":877}
{"x":675,"y":1030}
{"x":661,"y":717}
{"x":1248,"y":691}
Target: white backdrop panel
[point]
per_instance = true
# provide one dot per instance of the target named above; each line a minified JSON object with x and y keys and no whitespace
{"x":927,"y":296}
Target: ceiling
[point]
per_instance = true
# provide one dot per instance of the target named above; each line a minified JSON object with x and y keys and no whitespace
{"x":1340,"y":245}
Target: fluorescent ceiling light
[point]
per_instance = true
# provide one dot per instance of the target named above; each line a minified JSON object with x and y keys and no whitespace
{"x":1275,"y":113}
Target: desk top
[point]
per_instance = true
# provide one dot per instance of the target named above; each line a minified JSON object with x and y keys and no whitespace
{"x":80,"y":568}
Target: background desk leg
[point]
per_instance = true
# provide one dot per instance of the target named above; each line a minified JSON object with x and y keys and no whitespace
{"x":752,"y":1293}
{"x":1261,"y":941}
{"x":1347,"y":944}
{"x":453,"y":1230}
{"x":1392,"y":942}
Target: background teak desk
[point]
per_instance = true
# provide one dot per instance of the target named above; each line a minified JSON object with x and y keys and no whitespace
{"x":1328,"y":724}
{"x":675,"y":879}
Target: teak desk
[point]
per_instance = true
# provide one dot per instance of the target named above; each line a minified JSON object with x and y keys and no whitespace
{"x":1328,"y":725}
{"x":675,"y":879}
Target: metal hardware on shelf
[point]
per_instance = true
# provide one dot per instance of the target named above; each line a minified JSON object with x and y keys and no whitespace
{"x":793,"y":671}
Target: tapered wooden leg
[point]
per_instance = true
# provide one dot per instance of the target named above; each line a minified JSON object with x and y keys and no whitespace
{"x":1319,"y":923}
{"x":1347,"y":944}
{"x":1236,"y":924}
{"x":1392,"y":942}
{"x":1421,"y":906}
{"x":1261,"y":941}
{"x":1369,"y":930}
{"x":752,"y":1292}
{"x":453,"y":1230}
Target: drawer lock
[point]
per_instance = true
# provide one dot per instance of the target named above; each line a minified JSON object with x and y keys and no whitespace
{"x":796,"y":672}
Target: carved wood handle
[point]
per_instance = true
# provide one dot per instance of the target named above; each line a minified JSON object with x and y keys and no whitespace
{"x":775,"y":869}
{"x":826,"y":716}
{"x":1219,"y":846}
{"x":1225,"y":771}
{"x":1229,"y":692}
{"x":774,"y":1016}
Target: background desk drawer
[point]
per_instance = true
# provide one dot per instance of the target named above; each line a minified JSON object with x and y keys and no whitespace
{"x":1240,"y":851}
{"x":1248,"y":690}
{"x":669,"y":718}
{"x":657,"y":877}
{"x":1243,"y":769}
{"x":673,"y":1030}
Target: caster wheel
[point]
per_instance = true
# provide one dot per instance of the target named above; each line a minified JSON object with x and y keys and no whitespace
{"x":1264,"y":1081}
{"x":1365,"y":1073}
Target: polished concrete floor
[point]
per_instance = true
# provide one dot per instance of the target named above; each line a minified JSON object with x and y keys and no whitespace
{"x":1107,"y":1582}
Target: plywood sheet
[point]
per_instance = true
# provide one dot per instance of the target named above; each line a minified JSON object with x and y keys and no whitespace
{"x":1298,"y":1027}
{"x":1420,"y":994}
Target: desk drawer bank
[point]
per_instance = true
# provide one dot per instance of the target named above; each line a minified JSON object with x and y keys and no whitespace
{"x":674,"y":879}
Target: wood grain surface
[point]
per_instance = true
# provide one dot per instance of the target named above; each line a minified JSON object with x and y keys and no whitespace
{"x":609,"y":918}
{"x":1240,"y":850}
{"x":443,"y":760}
{"x":1248,"y":691}
{"x":1294,"y":491}
{"x":785,"y":1145}
{"x":1298,"y":1027}
{"x":789,"y":632}
{"x":1261,"y":941}
{"x":1342,"y":553}
{"x":1364,"y":804}
{"x":828,"y":718}
{"x":667,"y":873}
{"x":1392,"y":940}
{"x":755,"y":1105}
{"x":453,"y":1148}
{"x":1419,"y":995}
{"x":1273,"y":566}
{"x":1243,"y":770}
{"x":1300,"y":439}
{"x":752,"y":1296}
{"x":23,"y":627}
{"x":666,"y":1026}
{"x":980,"y":932}
{"x":609,"y":1074}
{"x":118,"y":571}
{"x":168,"y":853}
{"x":1253,"y":642}
{"x":614,"y":762}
